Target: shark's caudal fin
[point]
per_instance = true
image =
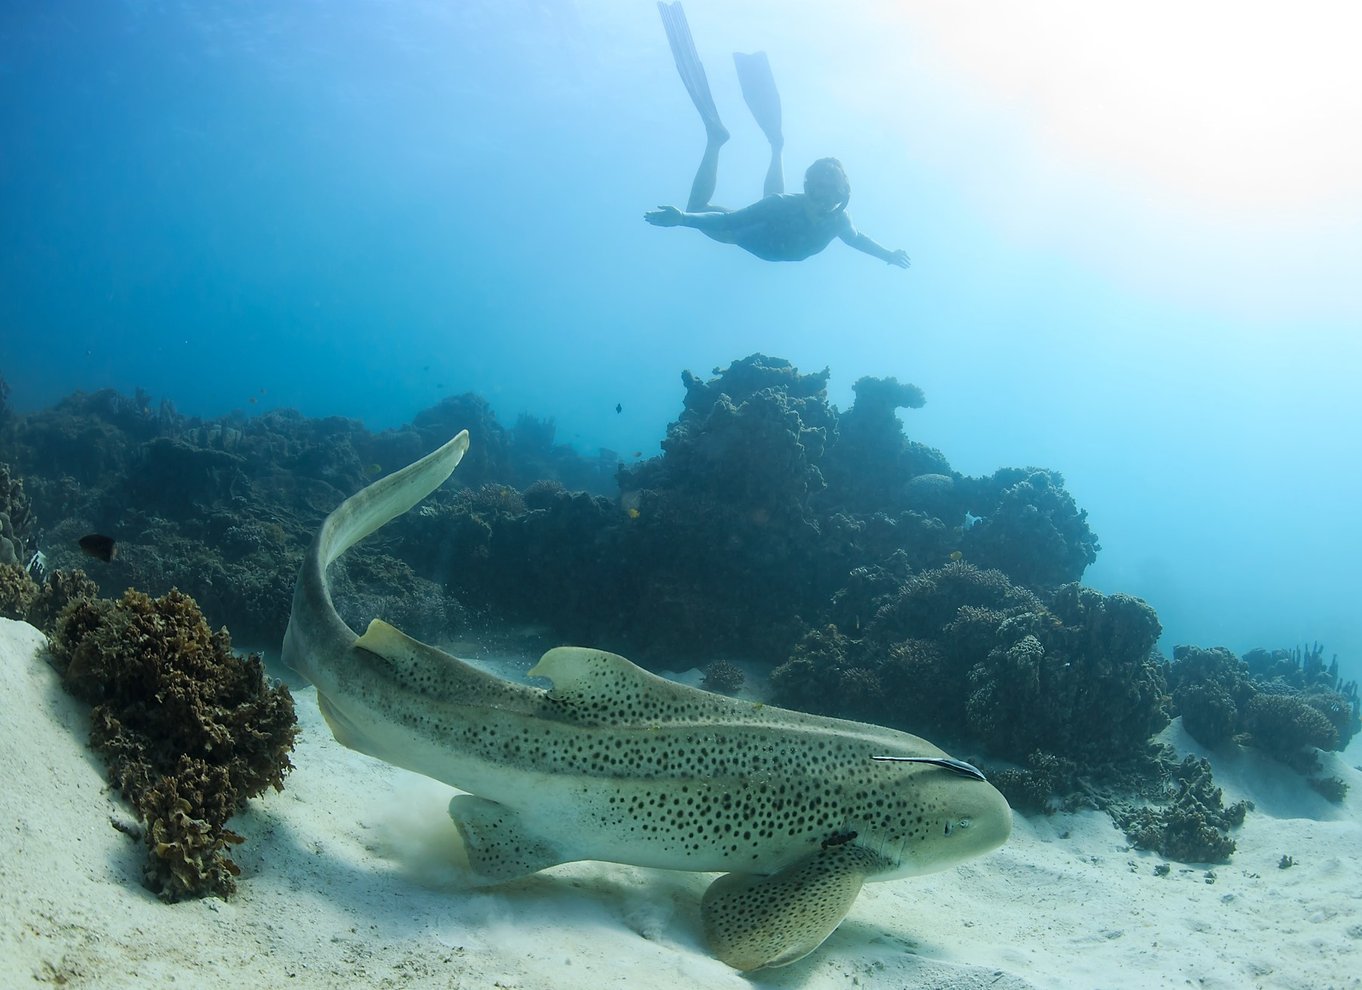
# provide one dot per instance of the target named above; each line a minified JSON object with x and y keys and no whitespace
{"x":314,"y":629}
{"x":753,"y":922}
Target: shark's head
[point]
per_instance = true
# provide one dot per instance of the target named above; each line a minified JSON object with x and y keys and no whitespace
{"x":949,"y":817}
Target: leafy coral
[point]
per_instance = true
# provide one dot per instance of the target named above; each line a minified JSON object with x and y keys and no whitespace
{"x":189,"y":729}
{"x":40,"y":604}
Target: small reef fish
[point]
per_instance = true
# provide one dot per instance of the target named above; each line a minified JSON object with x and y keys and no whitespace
{"x":957,"y":556}
{"x":99,"y":546}
{"x":615,"y":763}
{"x":619,"y":407}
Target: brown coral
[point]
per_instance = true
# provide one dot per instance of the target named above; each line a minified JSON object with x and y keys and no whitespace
{"x":190,"y":730}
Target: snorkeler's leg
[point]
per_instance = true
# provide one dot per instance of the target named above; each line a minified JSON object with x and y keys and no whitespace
{"x":690,"y":69}
{"x":706,"y":177}
{"x":692,"y":74}
{"x":763,"y":99}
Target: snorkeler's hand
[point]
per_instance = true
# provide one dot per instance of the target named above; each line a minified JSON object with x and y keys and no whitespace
{"x":664,"y":216}
{"x":900,"y":258}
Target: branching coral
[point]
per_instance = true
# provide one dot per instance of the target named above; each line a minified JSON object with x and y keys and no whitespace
{"x":189,"y":729}
{"x":723,"y":676}
{"x":828,"y":673}
{"x":963,"y":651}
{"x":16,"y":520}
{"x":1286,"y":726}
{"x":1192,"y":824}
{"x":872,"y":460}
{"x":1031,"y":530}
{"x":1282,"y":702}
{"x":1210,"y":687}
{"x":1033,"y":788}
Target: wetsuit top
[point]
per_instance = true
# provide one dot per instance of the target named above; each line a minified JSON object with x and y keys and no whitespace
{"x":780,"y":228}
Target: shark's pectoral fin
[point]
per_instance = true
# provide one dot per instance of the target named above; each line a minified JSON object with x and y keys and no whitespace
{"x":753,"y":921}
{"x":499,"y":845}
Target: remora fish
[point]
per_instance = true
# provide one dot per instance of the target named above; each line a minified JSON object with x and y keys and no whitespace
{"x":614,"y":763}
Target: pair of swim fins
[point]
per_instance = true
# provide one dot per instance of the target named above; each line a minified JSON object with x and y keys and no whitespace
{"x":754,"y":76}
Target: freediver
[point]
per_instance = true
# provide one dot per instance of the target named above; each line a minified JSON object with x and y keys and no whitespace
{"x":780,"y":226}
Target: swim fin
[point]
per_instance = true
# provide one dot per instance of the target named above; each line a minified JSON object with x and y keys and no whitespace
{"x":759,"y":90}
{"x":688,"y":65}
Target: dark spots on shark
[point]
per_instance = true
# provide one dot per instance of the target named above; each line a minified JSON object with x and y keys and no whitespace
{"x":838,"y":839}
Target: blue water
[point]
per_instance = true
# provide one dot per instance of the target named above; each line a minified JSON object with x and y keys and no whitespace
{"x":356,"y":208}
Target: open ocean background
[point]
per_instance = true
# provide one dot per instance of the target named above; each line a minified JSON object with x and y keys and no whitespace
{"x":1136,"y":233}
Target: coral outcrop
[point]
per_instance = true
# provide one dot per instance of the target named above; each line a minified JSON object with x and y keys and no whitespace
{"x":874,"y":579}
{"x":1190,"y":822}
{"x":189,"y":729}
{"x":961,"y":651}
{"x":1286,"y":703}
{"x":16,"y":520}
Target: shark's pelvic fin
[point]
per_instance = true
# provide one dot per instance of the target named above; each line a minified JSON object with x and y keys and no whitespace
{"x":753,"y":922}
{"x":498,"y":844}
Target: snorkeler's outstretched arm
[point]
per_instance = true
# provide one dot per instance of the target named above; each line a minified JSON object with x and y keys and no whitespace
{"x":715,"y":220}
{"x":666,"y":216}
{"x":861,"y":242}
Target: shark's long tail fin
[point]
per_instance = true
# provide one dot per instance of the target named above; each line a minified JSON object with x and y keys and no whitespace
{"x":315,"y":631}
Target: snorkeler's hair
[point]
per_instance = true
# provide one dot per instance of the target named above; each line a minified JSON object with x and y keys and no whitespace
{"x":829,"y":170}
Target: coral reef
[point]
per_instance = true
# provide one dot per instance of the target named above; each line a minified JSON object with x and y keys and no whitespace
{"x":873,"y":461}
{"x":823,"y":676}
{"x":189,"y":729}
{"x":1191,"y":824}
{"x":16,"y":520}
{"x":1286,"y":703}
{"x":876,"y":581}
{"x":17,"y":591}
{"x":723,"y":676}
{"x":1285,"y":725}
{"x":1030,"y":529}
{"x":961,"y":651}
{"x":1332,"y":789}
{"x":223,"y":509}
{"x":40,"y":604}
{"x":1033,"y":788}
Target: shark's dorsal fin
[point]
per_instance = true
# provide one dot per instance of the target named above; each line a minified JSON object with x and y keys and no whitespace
{"x":599,"y":685}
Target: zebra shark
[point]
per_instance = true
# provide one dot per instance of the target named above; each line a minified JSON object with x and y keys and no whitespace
{"x":617,"y":764}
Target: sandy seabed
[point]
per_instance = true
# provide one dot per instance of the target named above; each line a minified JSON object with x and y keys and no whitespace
{"x":347,"y":881}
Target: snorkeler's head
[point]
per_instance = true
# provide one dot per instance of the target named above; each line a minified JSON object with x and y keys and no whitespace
{"x":825,"y":183}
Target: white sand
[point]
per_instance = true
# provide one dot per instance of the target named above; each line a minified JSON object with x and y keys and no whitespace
{"x":345,"y":883}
